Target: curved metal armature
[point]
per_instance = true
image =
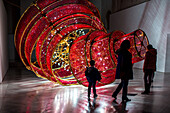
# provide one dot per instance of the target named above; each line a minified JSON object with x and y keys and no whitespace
{"x":57,"y":39}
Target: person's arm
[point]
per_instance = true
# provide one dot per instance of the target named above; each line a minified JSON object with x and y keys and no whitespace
{"x":146,"y":61}
{"x":121,"y":62}
{"x":86,"y":72}
{"x":98,"y":75}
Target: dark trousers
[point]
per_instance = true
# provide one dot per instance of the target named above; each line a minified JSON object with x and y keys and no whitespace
{"x":123,"y":84}
{"x":94,"y":88}
{"x":148,"y":79}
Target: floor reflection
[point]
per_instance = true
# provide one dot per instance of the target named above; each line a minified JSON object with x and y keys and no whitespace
{"x":119,"y":107}
{"x":30,"y":94}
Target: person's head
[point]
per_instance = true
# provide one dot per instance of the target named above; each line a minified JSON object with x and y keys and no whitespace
{"x":149,"y":47}
{"x":125,"y":44}
{"x":92,"y":62}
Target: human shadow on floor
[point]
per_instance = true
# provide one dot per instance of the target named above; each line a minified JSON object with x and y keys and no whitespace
{"x":92,"y":106}
{"x":119,"y":107}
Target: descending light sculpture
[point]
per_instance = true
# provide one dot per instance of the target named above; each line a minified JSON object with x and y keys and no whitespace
{"x":56,"y":39}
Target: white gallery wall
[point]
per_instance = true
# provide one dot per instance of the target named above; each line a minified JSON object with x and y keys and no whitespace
{"x":3,"y":42}
{"x":167,"y":63}
{"x":154,"y":18}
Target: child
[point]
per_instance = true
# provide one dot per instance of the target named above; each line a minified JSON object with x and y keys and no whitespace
{"x":92,"y":74}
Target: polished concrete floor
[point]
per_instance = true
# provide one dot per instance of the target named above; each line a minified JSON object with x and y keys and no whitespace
{"x":23,"y":92}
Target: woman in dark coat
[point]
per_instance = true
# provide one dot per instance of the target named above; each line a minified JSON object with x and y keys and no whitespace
{"x":124,"y":70}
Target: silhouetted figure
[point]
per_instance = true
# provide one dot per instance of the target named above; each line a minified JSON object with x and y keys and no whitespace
{"x":149,"y":67}
{"x":92,"y":74}
{"x":124,"y":70}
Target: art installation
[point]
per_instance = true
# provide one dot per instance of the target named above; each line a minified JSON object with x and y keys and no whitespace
{"x":56,"y":39}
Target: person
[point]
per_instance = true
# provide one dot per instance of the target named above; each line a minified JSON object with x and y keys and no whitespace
{"x":123,"y":70}
{"x":92,"y":74}
{"x":149,"y":67}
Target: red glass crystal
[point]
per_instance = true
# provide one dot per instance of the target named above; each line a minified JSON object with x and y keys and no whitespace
{"x":57,"y":39}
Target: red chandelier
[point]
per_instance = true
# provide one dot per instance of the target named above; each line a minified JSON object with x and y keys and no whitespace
{"x":57,"y":39}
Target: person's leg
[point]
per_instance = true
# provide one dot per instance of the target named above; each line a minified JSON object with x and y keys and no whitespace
{"x":89,"y":89}
{"x":146,"y":81}
{"x":125,"y":85}
{"x":117,"y":89}
{"x":150,"y":74}
{"x":153,"y":74}
{"x":125,"y":90}
{"x":94,"y":89}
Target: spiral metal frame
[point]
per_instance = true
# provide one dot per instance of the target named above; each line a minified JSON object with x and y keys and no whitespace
{"x":57,"y":39}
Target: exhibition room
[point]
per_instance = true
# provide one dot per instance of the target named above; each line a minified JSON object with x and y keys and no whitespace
{"x":84,"y":56}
